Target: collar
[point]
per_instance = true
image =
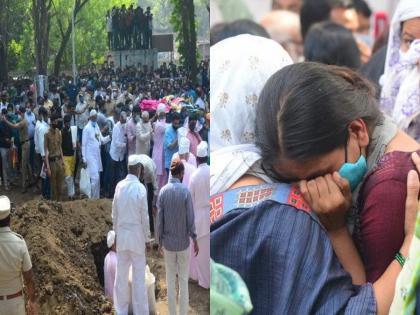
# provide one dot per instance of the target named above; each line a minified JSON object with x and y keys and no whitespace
{"x":5,"y":229}
{"x":132,"y":177}
{"x":174,"y":180}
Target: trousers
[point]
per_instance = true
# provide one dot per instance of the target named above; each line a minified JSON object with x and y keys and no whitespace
{"x":125,"y":259}
{"x":56,"y":180}
{"x":176,"y":263}
{"x":26,"y":169}
{"x":5,"y":165}
{"x":14,"y":306}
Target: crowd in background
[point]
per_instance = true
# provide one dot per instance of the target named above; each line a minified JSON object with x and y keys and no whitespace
{"x":324,"y":159}
{"x":129,"y":28}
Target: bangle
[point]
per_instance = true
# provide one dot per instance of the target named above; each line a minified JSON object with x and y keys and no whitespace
{"x":400,"y":258}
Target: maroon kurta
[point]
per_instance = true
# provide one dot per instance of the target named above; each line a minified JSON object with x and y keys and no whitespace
{"x":379,"y":232}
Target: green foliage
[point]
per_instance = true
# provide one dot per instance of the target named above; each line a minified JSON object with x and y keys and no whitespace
{"x":91,"y":37}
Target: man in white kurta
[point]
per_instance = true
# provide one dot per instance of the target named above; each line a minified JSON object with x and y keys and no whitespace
{"x":91,"y":152}
{"x":200,"y":190}
{"x":183,"y":154}
{"x":131,"y":225}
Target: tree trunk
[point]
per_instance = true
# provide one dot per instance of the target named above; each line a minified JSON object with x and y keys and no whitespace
{"x":42,"y":25}
{"x":3,"y":42}
{"x":65,"y":36}
{"x":59,"y":56}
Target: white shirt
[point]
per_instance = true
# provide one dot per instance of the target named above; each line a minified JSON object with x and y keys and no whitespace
{"x":130,"y":216}
{"x":83,"y":118}
{"x":118,"y":143}
{"x":41,"y":128}
{"x":91,"y":152}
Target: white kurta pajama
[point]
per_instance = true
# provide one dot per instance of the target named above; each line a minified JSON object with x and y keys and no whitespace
{"x":131,"y":225}
{"x":91,"y":152}
{"x":200,"y":190}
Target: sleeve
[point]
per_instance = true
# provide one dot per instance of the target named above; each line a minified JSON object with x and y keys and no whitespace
{"x":116,"y":136}
{"x":190,"y":217}
{"x":36,"y":138}
{"x":114,"y":214}
{"x":166,"y":140}
{"x":144,"y":215}
{"x":45,"y":143}
{"x":131,"y":132}
{"x":26,"y":259}
{"x":278,"y":237}
{"x":84,"y":140}
{"x":41,"y":142}
{"x":160,"y":217}
{"x":382,"y":226}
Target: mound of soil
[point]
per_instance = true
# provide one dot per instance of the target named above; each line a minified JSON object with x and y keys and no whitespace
{"x":67,"y":244}
{"x":64,"y":240}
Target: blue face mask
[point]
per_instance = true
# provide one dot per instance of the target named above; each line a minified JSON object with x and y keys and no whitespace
{"x":354,"y":172}
{"x":94,"y":124}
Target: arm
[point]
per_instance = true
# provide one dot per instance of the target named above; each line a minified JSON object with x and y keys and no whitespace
{"x":190,"y":216}
{"x":160,"y":218}
{"x":14,"y":126}
{"x":382,"y":225}
{"x":84,"y":140}
{"x":330,"y":197}
{"x":47,"y":163}
{"x":28,"y":278}
{"x":114,"y":214}
{"x":144,"y":215}
{"x":131,"y":132}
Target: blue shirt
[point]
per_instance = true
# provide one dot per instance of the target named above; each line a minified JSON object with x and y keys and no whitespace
{"x":169,"y":137}
{"x":175,"y":216}
{"x":287,"y":262}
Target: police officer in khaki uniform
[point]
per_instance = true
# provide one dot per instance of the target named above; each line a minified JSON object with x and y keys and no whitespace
{"x":14,"y":262}
{"x":54,"y":160}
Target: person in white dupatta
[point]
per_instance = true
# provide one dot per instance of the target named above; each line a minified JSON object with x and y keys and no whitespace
{"x":240,"y":66}
{"x":400,"y":96}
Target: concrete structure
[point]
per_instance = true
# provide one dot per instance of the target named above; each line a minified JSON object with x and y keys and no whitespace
{"x":126,"y":58}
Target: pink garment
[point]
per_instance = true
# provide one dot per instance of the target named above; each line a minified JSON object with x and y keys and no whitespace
{"x":110,"y":267}
{"x":188,"y":171}
{"x":200,"y":265}
{"x":195,"y":140}
{"x":157,"y":156}
{"x":131,"y":135}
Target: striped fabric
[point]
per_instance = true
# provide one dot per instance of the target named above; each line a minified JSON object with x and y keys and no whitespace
{"x":286,"y":260}
{"x":175,"y":216}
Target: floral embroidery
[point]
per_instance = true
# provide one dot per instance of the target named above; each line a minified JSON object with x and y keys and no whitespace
{"x":248,"y":136}
{"x":223,"y":99}
{"x":226,"y":135}
{"x":251,"y":99}
{"x":254,"y":62}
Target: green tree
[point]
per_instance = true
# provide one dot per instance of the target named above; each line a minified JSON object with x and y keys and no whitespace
{"x":183,"y":22}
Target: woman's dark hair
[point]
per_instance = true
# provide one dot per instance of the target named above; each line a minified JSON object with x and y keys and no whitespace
{"x":220,"y":32}
{"x":332,"y":44}
{"x":304,"y":111}
{"x":314,"y":11}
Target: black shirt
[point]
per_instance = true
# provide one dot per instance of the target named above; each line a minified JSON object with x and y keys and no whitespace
{"x":66,"y":142}
{"x":5,"y":135}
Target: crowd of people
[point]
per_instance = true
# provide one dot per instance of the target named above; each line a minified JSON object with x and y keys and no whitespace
{"x":136,"y":135}
{"x":314,"y":190}
{"x":129,"y":28}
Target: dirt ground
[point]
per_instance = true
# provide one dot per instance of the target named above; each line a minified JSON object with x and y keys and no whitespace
{"x":67,"y":244}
